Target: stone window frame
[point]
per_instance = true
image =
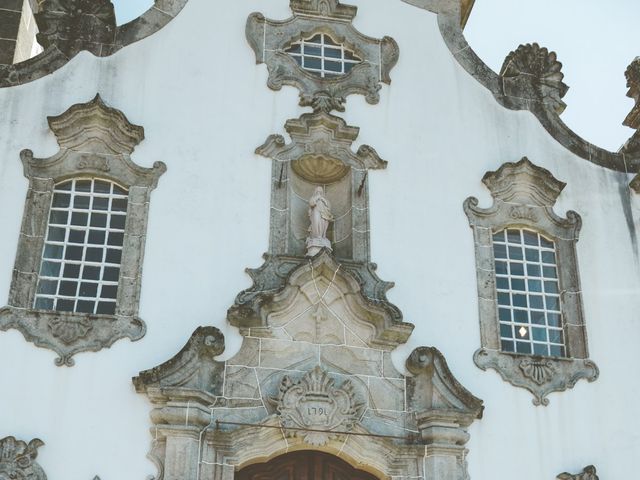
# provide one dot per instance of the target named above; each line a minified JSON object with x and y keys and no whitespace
{"x":524,"y":195}
{"x":95,"y":142}
{"x":270,"y":38}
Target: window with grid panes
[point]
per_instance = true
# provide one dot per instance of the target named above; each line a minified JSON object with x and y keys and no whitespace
{"x":528,"y":293}
{"x":322,"y":56}
{"x":82,"y":252}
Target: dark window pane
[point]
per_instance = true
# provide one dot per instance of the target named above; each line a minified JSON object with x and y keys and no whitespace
{"x":312,"y":50}
{"x":85,"y":306}
{"x":549,"y":272}
{"x":332,"y":53}
{"x":48,"y":287}
{"x":504,"y":315}
{"x":539,"y":334}
{"x":503,"y":299}
{"x":295,"y":48}
{"x":556,"y":336}
{"x":53,"y":251}
{"x":513,"y":236}
{"x":516,"y":269}
{"x":73,"y":253}
{"x":502,"y":283}
{"x":58,"y":217}
{"x":329,"y":41}
{"x":44,"y":303}
{"x":530,"y":238}
{"x":551,"y":287}
{"x":532,"y":255}
{"x":506,"y":346}
{"x":312,"y":63}
{"x":549,"y":257}
{"x":316,"y":38}
{"x":519,"y":300}
{"x":298,"y":60}
{"x":83,"y":185}
{"x":518,"y":284}
{"x":348,"y":67}
{"x":537,"y":318}
{"x":91,"y":273}
{"x":88,"y":289}
{"x":501,"y":268}
{"x":76,"y":236}
{"x":540,"y":349}
{"x":61,"y":200}
{"x":535,"y":301}
{"x":94,"y":255}
{"x":100,"y":186}
{"x":68,"y":289}
{"x":333,"y":66}
{"x":81,"y":202}
{"x":50,"y":269}
{"x":520,"y":316}
{"x":79,"y":218}
{"x":506,"y":331}
{"x":552,"y":303}
{"x":119,"y":205}
{"x":113,"y":256}
{"x":499,"y":250}
{"x":56,"y":234}
{"x":64,"y":185}
{"x":546,"y":243}
{"x":553,"y":319}
{"x":116,"y":239}
{"x":117,"y":221}
{"x":71,"y":271}
{"x":100,"y":203}
{"x":515,"y":253}
{"x":106,"y":308}
{"x":109,"y":291}
{"x":533,"y":270}
{"x":63,"y":305}
{"x":111,"y":274}
{"x":119,"y":191}
{"x":96,"y":237}
{"x":522,"y":347}
{"x":99,"y":220}
{"x":534,"y":285}
{"x":499,"y":236}
{"x":557,"y":351}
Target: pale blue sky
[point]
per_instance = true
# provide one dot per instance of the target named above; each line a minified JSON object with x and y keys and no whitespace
{"x":594,"y":39}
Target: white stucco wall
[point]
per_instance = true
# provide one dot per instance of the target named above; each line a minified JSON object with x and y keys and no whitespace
{"x":205,"y":107}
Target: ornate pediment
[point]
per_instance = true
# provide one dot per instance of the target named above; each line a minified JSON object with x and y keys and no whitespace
{"x":588,"y":473}
{"x":359,"y":65}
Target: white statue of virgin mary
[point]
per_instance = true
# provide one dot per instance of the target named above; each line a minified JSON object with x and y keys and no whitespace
{"x":319,"y":216}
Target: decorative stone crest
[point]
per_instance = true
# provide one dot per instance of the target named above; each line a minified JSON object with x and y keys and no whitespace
{"x":96,"y":141}
{"x":534,"y":73}
{"x":270,"y":38}
{"x":588,"y":473}
{"x":17,"y":460}
{"x":524,"y":195}
{"x":315,"y":403}
{"x":632,"y":146}
{"x":75,"y":25}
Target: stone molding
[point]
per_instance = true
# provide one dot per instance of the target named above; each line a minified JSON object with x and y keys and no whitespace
{"x":65,"y":31}
{"x":450,"y":13}
{"x":632,"y":146}
{"x":211,"y":418}
{"x":588,"y":473}
{"x":17,"y":459}
{"x":524,"y":195}
{"x":95,"y":141}
{"x":269,"y":39}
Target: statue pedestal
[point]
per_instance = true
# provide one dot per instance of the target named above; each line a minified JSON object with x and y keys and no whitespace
{"x":314,"y":245}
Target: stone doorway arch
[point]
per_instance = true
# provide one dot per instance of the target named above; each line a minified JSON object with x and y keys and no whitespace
{"x":303,"y":465}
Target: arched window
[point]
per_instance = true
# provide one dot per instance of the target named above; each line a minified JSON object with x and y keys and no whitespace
{"x":322,"y":56}
{"x":82,"y":252}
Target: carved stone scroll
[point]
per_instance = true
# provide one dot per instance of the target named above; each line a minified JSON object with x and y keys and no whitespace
{"x":18,"y":459}
{"x":588,"y":473}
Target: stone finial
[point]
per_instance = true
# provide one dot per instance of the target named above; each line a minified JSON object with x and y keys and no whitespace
{"x":588,"y":473}
{"x":534,"y":73}
{"x":75,"y":25}
{"x":633,"y":84}
{"x":17,"y":459}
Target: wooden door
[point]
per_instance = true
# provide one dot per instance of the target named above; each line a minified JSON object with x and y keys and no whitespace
{"x":303,"y":465}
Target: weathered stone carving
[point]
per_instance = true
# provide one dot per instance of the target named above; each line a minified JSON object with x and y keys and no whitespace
{"x":534,"y":73}
{"x":95,"y":140}
{"x":319,"y":218}
{"x":588,"y":473}
{"x":315,"y":403}
{"x":524,"y":195}
{"x":75,"y":25}
{"x":632,"y":146}
{"x":270,"y":38}
{"x":17,"y":459}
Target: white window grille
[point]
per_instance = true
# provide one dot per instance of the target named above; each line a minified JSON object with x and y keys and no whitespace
{"x":82,"y":252}
{"x":322,"y":56}
{"x":529,"y":309}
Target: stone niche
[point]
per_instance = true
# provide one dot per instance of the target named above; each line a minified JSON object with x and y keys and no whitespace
{"x":314,"y":374}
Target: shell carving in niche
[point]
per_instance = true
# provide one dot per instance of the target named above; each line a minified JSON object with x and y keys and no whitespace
{"x":319,"y":169}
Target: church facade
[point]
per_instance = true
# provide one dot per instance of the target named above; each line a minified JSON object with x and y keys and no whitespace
{"x":307,"y":239}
